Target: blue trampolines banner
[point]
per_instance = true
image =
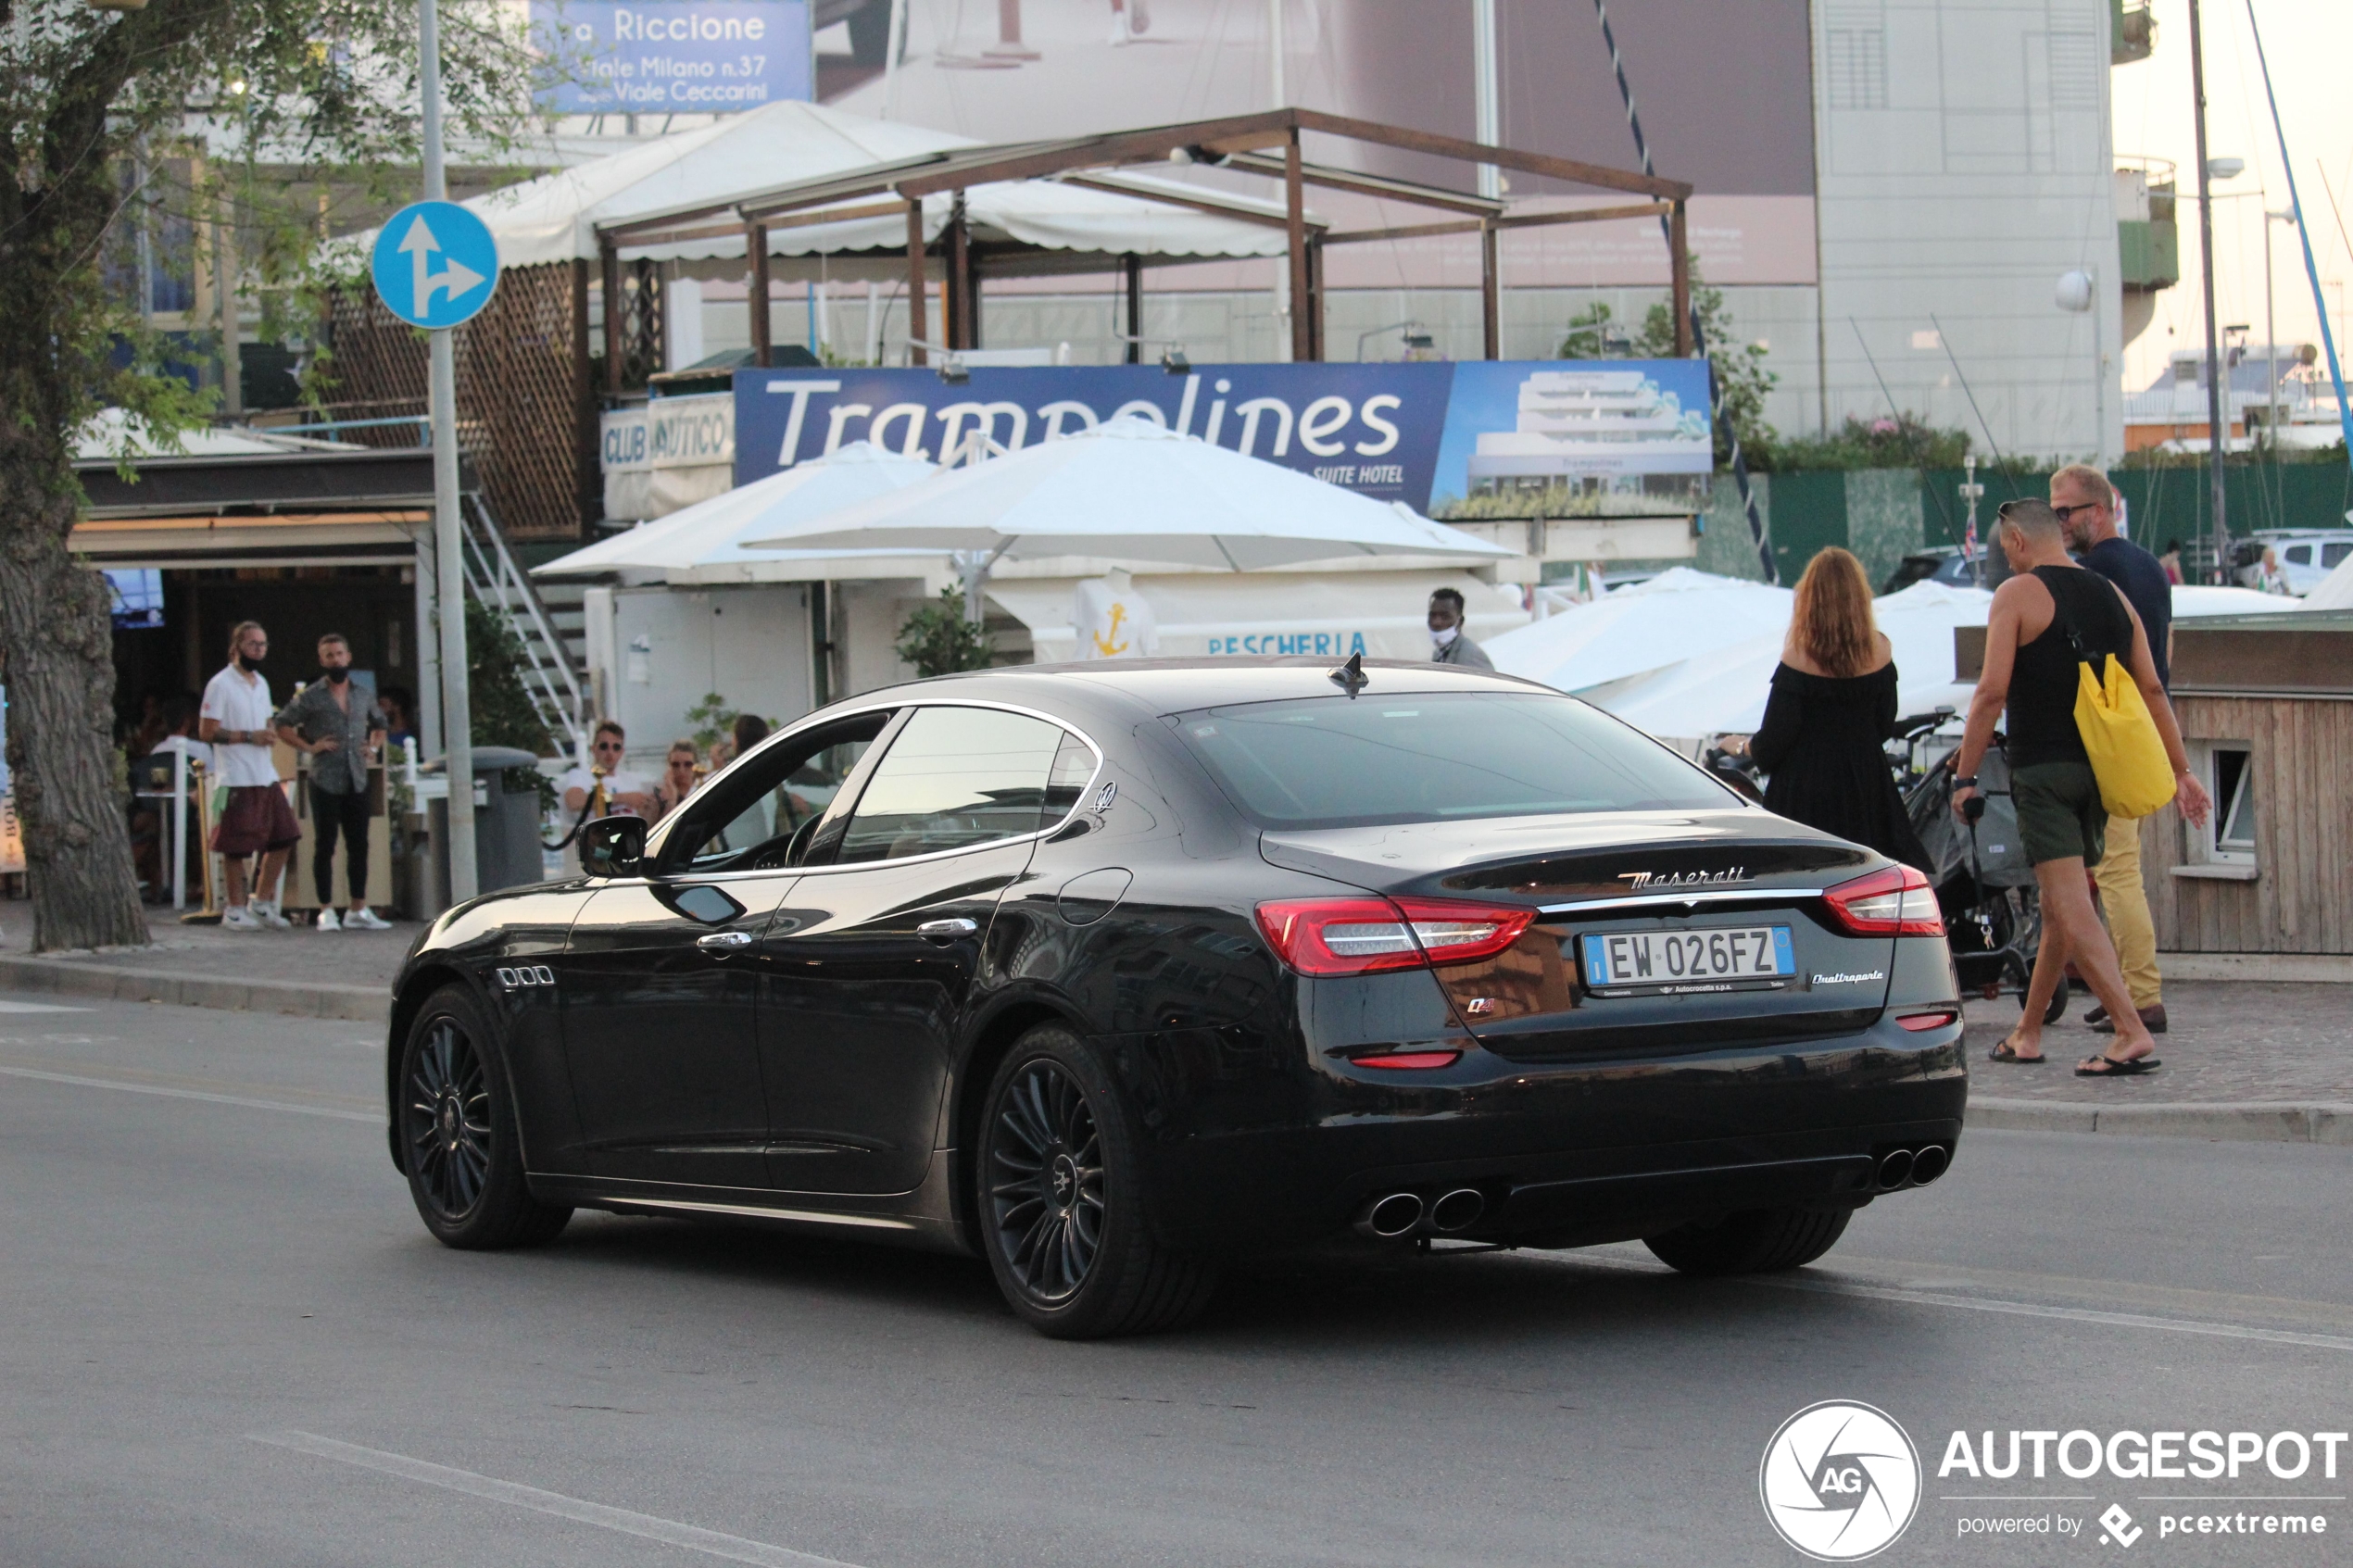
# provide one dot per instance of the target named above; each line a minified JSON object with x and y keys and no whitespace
{"x":1373,"y":429}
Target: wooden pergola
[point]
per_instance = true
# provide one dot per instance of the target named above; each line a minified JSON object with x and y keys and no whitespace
{"x":1264,"y":145}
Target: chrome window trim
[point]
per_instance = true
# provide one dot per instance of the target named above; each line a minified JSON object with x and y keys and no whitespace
{"x":1655,"y":900}
{"x":831,"y":716}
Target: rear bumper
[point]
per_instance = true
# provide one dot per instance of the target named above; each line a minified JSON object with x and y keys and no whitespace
{"x":1571,"y":1153}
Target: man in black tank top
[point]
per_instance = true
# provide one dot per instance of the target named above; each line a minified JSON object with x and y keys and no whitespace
{"x":2031,"y":671}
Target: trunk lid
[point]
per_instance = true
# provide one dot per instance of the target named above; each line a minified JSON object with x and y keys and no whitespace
{"x":1668,"y":884}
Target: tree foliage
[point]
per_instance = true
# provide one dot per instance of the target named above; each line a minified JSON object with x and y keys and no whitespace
{"x":937,"y":640}
{"x":1741,"y":371}
{"x":1901,"y":441}
{"x":255,"y":117}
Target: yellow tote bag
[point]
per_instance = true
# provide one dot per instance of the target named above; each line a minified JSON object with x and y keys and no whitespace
{"x":2128,"y":755}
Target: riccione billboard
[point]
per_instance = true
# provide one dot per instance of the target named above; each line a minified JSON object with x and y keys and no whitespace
{"x":1549,"y":437}
{"x":673,"y":56}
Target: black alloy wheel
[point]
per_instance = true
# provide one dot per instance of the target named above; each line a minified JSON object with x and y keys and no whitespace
{"x":1755,"y":1241}
{"x":448,"y":1113}
{"x":1046,"y":1182}
{"x":1061,"y":1201}
{"x":458,"y":1142}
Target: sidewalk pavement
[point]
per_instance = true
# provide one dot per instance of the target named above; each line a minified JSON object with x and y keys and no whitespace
{"x":2268,"y":1061}
{"x":345,"y":974}
{"x":2271,"y":1062}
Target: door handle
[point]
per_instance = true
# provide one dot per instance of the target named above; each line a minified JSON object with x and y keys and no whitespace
{"x":947,"y":930}
{"x":719,"y":944}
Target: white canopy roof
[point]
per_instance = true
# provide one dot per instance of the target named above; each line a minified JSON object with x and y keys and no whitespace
{"x":554,"y":218}
{"x":703,"y":542}
{"x":1134,"y":491}
{"x":2335,"y":591}
{"x":1719,"y":685}
{"x":1681,"y":614}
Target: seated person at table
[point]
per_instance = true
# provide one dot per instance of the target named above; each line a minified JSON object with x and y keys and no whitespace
{"x":626,"y":793}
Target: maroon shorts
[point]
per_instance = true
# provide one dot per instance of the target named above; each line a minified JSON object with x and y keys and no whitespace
{"x":257,"y":819}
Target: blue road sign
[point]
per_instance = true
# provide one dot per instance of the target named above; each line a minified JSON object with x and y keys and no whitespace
{"x":436,"y":265}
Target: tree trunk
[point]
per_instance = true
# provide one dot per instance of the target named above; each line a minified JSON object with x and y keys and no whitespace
{"x":56,"y":656}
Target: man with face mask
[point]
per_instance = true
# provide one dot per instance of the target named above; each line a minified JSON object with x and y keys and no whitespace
{"x":1450,"y":643}
{"x":336,"y":726}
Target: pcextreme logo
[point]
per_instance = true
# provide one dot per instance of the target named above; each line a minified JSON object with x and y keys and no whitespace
{"x":1839,"y":1481}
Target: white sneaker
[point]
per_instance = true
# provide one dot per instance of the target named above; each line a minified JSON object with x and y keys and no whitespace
{"x":327,"y":921}
{"x":270,"y":915}
{"x":238,"y":917}
{"x":365,"y":919}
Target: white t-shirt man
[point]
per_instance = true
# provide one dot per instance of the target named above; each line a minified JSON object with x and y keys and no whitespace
{"x":617,"y":784}
{"x":239,"y":700}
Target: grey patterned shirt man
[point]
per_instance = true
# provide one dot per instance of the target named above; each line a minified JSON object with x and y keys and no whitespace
{"x":314,"y":715}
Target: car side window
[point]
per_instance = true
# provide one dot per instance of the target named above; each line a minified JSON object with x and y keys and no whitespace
{"x":751,"y":816}
{"x":955,"y":777}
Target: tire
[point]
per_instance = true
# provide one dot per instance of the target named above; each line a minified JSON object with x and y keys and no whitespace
{"x":1753,"y":1242}
{"x":1059,"y":1190}
{"x":457,"y":1137}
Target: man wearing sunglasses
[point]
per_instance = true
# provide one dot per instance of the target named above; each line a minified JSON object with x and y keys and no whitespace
{"x":2085,"y":503}
{"x":626,"y":793}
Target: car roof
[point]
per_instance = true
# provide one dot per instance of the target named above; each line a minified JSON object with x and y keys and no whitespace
{"x":1176,"y":686}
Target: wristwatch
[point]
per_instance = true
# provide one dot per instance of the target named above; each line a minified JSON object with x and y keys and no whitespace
{"x":1969,"y":783}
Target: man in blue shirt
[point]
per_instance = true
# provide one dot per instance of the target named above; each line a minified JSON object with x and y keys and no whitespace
{"x":2085,"y":503}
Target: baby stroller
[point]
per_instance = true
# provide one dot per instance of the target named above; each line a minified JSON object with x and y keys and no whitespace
{"x":1984,"y":883}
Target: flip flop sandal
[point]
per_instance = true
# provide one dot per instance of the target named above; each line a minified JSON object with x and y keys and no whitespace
{"x":2112,"y":1067}
{"x":2005,"y":1051}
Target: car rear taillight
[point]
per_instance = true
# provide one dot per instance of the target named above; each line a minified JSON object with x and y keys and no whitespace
{"x":1364,"y":936}
{"x":1920,"y":1022}
{"x":1407,"y":1061}
{"x":1894,"y":902}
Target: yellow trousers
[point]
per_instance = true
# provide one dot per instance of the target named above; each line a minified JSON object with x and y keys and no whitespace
{"x":2125,"y":902}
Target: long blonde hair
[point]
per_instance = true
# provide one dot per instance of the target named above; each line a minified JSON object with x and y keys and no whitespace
{"x":1831,"y":620}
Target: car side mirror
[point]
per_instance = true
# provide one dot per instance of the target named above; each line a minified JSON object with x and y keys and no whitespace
{"x":612,"y":846}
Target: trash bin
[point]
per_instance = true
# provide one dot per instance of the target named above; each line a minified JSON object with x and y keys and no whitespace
{"x":505,"y":823}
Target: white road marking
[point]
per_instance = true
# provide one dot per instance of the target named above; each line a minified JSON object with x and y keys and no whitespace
{"x":2012,"y":1308}
{"x":370,"y":1117}
{"x":36,"y":1007}
{"x":734,"y":1548}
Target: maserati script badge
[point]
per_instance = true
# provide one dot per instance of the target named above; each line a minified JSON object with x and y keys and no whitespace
{"x":1644,"y":881}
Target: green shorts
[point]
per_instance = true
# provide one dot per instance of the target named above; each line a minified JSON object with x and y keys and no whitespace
{"x":2059,"y":813}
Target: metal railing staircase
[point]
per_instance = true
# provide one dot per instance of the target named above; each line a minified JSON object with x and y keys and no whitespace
{"x":551,"y":666}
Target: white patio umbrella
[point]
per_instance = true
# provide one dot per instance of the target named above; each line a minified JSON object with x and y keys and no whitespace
{"x":1677,"y":616}
{"x":704,"y":543}
{"x":1134,"y":491}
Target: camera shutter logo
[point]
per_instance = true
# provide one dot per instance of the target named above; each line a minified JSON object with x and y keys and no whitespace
{"x":1840,"y":1481}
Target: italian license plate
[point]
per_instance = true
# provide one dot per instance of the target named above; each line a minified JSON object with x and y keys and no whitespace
{"x":1674,"y":963}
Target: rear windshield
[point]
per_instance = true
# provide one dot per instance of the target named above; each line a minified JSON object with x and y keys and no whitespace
{"x":1327,"y":762}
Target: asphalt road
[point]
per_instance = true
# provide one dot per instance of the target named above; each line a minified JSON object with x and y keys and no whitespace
{"x":224,"y":1339}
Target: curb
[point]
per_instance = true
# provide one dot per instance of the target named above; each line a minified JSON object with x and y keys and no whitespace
{"x":359,"y":1004}
{"x":2234,"y":1122}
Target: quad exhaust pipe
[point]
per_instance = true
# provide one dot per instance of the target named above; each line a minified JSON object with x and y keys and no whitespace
{"x":1395,"y":1215}
{"x":1913,"y":1167}
{"x":1391,"y":1216}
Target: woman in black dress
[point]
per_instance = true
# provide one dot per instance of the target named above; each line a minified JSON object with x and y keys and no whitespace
{"x":1832,"y":705}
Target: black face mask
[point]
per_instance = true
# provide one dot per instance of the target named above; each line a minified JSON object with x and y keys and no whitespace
{"x":244,"y":664}
{"x":339,"y":676}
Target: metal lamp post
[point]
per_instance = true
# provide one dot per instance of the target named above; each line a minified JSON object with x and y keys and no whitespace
{"x":449,"y":571}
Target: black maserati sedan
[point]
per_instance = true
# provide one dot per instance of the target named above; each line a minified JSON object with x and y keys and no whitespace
{"x":1112,"y":973}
